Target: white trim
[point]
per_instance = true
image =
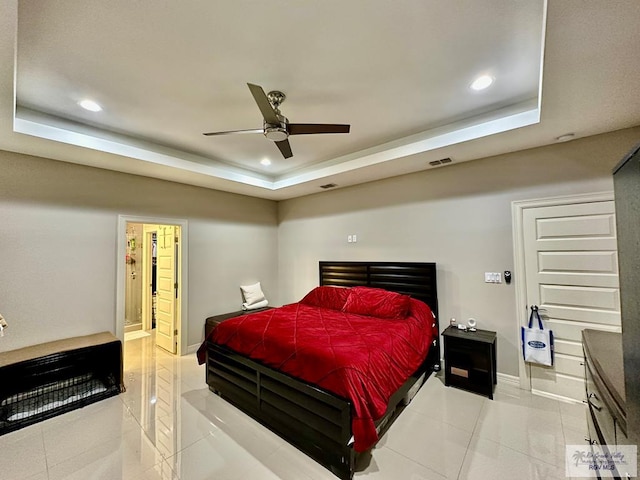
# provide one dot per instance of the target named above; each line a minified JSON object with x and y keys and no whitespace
{"x":147,"y":298}
{"x":509,"y":118}
{"x":505,"y":379}
{"x":192,"y":348}
{"x":564,"y":200}
{"x":519,"y":275}
{"x":121,"y":249}
{"x":31,"y":122}
{"x":34,"y":123}
{"x":543,"y":38}
{"x":553,"y":396}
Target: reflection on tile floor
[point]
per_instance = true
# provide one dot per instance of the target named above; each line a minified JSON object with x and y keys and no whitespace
{"x":168,"y":425}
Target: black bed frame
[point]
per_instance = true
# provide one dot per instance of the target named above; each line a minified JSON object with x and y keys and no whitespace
{"x":314,"y":420}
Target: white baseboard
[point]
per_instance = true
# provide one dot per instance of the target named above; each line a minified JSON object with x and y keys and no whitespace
{"x":192,"y":348}
{"x":511,"y":380}
{"x":555,"y":397}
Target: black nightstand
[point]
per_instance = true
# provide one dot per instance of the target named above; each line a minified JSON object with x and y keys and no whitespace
{"x":470,"y":360}
{"x":211,"y":322}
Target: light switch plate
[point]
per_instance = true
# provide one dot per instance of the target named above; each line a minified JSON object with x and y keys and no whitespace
{"x":492,"y":277}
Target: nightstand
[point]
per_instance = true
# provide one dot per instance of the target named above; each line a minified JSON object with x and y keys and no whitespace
{"x":211,"y":322}
{"x":470,"y":360}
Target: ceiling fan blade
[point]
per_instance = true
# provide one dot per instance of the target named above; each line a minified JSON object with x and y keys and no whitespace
{"x":211,"y":134}
{"x":285,"y":148}
{"x":263,"y":104}
{"x":312,"y":128}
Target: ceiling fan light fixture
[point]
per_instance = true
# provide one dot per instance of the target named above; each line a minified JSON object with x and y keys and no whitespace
{"x":275,"y":134}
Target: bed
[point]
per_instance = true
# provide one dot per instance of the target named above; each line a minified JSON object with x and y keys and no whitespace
{"x":329,"y":411}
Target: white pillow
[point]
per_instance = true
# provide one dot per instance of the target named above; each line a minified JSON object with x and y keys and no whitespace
{"x":252,"y":293}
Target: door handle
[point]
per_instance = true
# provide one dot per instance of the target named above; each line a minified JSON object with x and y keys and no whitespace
{"x":595,"y":406}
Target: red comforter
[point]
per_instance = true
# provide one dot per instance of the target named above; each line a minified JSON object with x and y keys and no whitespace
{"x":359,"y":357}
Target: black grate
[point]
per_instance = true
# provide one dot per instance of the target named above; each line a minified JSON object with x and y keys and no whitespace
{"x":49,"y":397}
{"x":40,"y":388}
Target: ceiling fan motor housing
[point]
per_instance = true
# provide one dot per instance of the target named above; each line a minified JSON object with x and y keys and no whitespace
{"x":277,"y":133}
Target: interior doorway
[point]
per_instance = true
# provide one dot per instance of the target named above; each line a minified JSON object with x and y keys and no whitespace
{"x":135,"y":284}
{"x":151,"y":281}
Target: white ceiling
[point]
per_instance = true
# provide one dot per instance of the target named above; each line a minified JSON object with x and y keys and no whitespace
{"x":398,"y":72}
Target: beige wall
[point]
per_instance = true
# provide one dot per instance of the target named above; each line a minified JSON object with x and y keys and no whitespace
{"x":58,"y":224}
{"x":458,"y":216}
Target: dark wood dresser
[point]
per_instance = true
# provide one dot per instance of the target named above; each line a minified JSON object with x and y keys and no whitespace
{"x":626,"y":182}
{"x":605,"y":387}
{"x":605,"y":391}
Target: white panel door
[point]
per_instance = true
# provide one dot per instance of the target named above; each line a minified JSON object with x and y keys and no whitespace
{"x":167,"y":288}
{"x":572,"y":275}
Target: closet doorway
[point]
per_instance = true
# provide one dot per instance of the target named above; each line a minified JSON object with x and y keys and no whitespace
{"x":566,"y":262}
{"x":151,"y":293}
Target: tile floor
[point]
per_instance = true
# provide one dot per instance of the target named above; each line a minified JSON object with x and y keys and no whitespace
{"x":168,"y":425}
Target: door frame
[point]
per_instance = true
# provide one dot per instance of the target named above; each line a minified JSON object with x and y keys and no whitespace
{"x":183,"y":274}
{"x":518,"y":208}
{"x":146,"y":278}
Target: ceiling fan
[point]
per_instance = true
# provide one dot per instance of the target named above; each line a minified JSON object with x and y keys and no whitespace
{"x":276,"y":127}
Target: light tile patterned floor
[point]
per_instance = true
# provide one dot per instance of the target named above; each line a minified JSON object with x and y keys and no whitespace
{"x":167,"y":425}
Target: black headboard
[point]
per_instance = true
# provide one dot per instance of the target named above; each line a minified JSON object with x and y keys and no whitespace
{"x":415,"y":279}
{"x":409,"y":278}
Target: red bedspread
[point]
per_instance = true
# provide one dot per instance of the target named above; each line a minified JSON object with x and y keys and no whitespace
{"x":362,"y":358}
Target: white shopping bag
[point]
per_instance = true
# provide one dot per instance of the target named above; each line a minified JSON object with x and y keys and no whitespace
{"x":537,"y":343}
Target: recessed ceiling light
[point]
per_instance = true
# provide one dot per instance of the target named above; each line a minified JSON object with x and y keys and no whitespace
{"x":90,"y":105}
{"x":482,"y":82}
{"x":266,"y":162}
{"x":566,"y":137}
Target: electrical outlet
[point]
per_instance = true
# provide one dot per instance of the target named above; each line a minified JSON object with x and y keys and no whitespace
{"x":355,"y":238}
{"x":349,"y":238}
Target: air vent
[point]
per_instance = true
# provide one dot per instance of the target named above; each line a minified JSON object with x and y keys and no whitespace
{"x":328,"y":185}
{"x":440,"y":162}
